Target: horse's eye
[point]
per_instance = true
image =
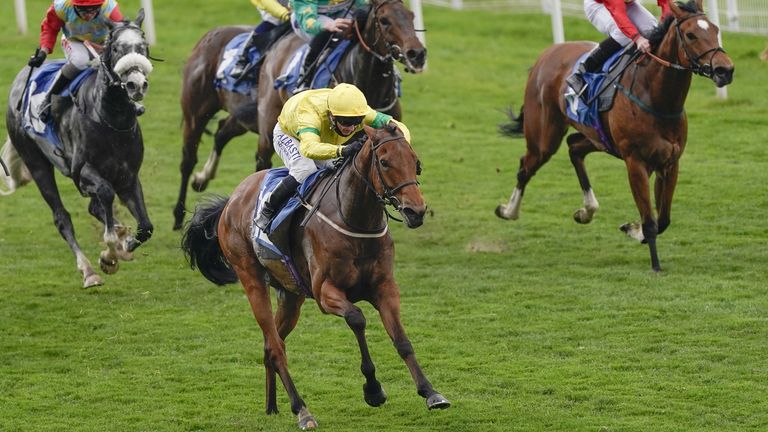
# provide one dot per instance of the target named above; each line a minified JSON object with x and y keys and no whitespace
{"x":418,"y":168}
{"x":690,"y":36}
{"x":384,"y":21}
{"x":384,"y":163}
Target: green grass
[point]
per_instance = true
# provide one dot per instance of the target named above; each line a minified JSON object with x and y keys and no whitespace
{"x":535,"y":325}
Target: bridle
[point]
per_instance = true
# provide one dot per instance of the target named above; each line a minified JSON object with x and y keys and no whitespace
{"x":393,"y":51}
{"x":706,"y":70}
{"x":387,"y":197}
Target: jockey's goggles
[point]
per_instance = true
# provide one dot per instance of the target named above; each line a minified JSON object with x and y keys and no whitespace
{"x":87,"y":10}
{"x":348,"y":121}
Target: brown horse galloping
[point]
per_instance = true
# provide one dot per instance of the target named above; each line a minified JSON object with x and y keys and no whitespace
{"x":388,"y":36}
{"x":343,"y":254}
{"x":647,"y":124}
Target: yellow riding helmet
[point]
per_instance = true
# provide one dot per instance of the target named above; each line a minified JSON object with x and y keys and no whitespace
{"x":346,"y":100}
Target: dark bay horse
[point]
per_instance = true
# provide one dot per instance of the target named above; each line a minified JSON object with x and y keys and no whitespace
{"x":647,"y":124}
{"x":388,"y":36}
{"x":102,"y":146}
{"x":344,"y":254}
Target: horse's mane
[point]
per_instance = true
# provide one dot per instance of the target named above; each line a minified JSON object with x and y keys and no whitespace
{"x":658,"y":33}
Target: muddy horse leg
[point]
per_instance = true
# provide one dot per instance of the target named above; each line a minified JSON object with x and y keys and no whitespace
{"x":103,"y":195}
{"x":388,"y":305}
{"x":193,"y":128}
{"x":228,"y":128}
{"x":666,"y":180}
{"x":42,"y":172}
{"x":544,"y":131}
{"x":133,"y":198}
{"x":286,"y":317}
{"x":578,"y":148}
{"x":638,"y":174}
{"x":335,"y":301}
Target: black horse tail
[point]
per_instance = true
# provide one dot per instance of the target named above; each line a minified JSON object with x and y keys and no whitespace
{"x":515,"y":127}
{"x":200,"y":242}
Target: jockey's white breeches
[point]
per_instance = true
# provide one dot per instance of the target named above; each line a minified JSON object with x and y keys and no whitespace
{"x":599,"y":16}
{"x":299,"y":167}
{"x":76,"y":53}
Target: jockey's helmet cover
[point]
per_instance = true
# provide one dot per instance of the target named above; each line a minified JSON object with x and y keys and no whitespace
{"x":346,"y":100}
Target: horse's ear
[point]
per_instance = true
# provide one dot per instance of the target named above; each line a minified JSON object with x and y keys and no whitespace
{"x":700,"y":5}
{"x":139,"y":17}
{"x":676,"y":11}
{"x":110,"y":24}
{"x":371,"y":132}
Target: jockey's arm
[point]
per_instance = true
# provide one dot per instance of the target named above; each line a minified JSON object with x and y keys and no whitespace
{"x":274,"y":8}
{"x":116,"y":15}
{"x":310,"y":145}
{"x":49,"y":29}
{"x":305,"y":12}
{"x":664,"y":5}
{"x":618,"y":10}
{"x":378,"y":120}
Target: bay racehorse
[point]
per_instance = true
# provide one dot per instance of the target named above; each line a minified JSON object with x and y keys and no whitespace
{"x":647,"y":124}
{"x":388,"y":35}
{"x":101,"y":146}
{"x":344,"y":254}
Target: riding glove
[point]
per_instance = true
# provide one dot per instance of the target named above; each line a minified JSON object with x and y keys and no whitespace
{"x":351,"y":148}
{"x":37,"y":59}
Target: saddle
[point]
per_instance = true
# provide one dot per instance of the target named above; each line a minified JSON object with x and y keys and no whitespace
{"x":326,"y":66}
{"x":599,"y":93}
{"x":273,"y":246}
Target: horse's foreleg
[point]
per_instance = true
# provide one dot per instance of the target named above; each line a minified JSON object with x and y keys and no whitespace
{"x":228,"y":128}
{"x":578,"y":148}
{"x":133,"y":198}
{"x":102,"y":195}
{"x":334,"y":301}
{"x":286,"y":317}
{"x":388,"y":305}
{"x":665,"y":190}
{"x":265,"y":151}
{"x":638,"y":174}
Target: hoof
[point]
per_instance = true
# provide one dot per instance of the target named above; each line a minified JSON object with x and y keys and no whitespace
{"x":633,"y":230}
{"x":107,"y":265}
{"x":306,"y":420}
{"x":437,"y":401}
{"x":199,"y":183}
{"x":501,"y":213}
{"x":92,"y":281}
{"x":374,"y":398}
{"x":582,"y":216}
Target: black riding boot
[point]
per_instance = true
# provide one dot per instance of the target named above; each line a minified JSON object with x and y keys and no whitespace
{"x":275,"y":200}
{"x":62,"y":81}
{"x":592,"y":63}
{"x":242,"y":58}
{"x":308,"y":68}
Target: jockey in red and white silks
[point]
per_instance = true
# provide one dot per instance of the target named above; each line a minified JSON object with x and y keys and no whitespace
{"x":624,"y":21}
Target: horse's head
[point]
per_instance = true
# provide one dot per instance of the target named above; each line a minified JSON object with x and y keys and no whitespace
{"x":698,"y":44}
{"x":126,"y":57}
{"x":390,"y":26}
{"x":393,"y":170}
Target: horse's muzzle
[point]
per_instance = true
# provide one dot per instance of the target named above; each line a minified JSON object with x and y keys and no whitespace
{"x":415,"y":59}
{"x":722,"y":76}
{"x":413,"y":218}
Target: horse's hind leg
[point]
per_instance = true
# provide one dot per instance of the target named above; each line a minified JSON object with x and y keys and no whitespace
{"x":228,"y":128}
{"x":388,"y":304}
{"x":335,"y":301}
{"x":286,"y":317}
{"x":544,"y":130}
{"x":578,"y":148}
{"x":193,"y":127}
{"x":42,"y":173}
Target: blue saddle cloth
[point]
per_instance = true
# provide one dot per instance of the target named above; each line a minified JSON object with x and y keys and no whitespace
{"x":323,"y":72}
{"x":228,"y":59}
{"x":589,"y":114}
{"x":40,"y":83}
{"x":271,"y":180}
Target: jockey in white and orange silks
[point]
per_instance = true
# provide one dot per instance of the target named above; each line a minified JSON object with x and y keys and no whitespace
{"x":624,"y":22}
